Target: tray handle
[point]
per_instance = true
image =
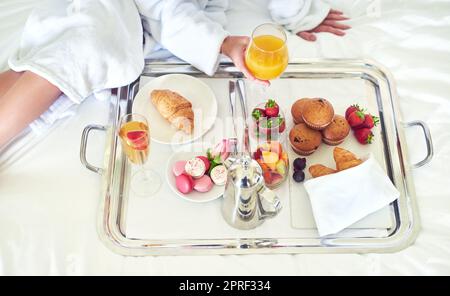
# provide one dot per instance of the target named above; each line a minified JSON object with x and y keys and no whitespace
{"x":428,"y":141}
{"x":83,"y":146}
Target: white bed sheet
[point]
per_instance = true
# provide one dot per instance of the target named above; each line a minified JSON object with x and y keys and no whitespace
{"x":48,"y":201}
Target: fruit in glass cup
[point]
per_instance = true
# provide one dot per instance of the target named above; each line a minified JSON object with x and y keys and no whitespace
{"x":268,"y":126}
{"x":268,"y":121}
{"x":274,"y":162}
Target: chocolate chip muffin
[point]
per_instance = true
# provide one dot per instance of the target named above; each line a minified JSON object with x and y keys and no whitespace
{"x":304,"y":141}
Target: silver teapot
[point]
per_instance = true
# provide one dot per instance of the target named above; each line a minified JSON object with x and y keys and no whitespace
{"x":247,"y":202}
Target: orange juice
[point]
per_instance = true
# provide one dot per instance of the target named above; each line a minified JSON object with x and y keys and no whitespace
{"x":135,"y":141}
{"x":267,"y":57}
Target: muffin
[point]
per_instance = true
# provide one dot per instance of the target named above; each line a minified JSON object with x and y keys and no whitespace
{"x":297,"y":109}
{"x":336,"y":132}
{"x":318,"y":113}
{"x":304,"y":141}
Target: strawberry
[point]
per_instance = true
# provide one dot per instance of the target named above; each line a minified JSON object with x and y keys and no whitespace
{"x":257,"y":113}
{"x":370,"y":121}
{"x":138,"y":139}
{"x":257,"y":154}
{"x":282,"y":124}
{"x":352,"y":109}
{"x":267,"y":126}
{"x":136,"y":135}
{"x":272,"y":108}
{"x":364,"y":135}
{"x":264,"y":126}
{"x":356,"y":119}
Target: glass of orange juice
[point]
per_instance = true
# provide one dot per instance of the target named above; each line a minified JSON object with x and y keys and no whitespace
{"x":267,"y":55}
{"x":134,"y":134}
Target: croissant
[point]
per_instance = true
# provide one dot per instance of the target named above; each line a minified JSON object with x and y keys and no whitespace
{"x":345,"y":159}
{"x":174,"y":108}
{"x":341,"y":155}
{"x":349,"y":164}
{"x":319,"y":170}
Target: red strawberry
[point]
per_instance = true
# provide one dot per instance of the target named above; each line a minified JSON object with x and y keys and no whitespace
{"x":364,"y":136}
{"x":272,"y":108}
{"x":138,"y":139}
{"x":351,"y":109}
{"x":282,"y":124}
{"x":356,"y":119}
{"x":282,"y":127}
{"x":136,"y":135}
{"x":265,"y":126}
{"x":258,"y":113}
{"x":257,"y":154}
{"x":370,"y":121}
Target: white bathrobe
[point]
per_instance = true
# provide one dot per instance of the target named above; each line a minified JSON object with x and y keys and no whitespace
{"x":85,"y":47}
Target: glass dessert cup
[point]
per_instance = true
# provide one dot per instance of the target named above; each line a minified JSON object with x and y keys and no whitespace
{"x":269,"y":138}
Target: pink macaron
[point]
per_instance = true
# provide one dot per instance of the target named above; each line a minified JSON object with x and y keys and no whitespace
{"x":203,"y":184}
{"x":178,"y":168}
{"x":205,"y":161}
{"x":219,"y":175}
{"x":184,"y":183}
{"x":195,"y":167}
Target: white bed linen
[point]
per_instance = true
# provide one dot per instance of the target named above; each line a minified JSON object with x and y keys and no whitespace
{"x":48,"y":201}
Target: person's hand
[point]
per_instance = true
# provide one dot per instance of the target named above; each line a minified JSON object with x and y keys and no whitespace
{"x":330,"y":24}
{"x":234,"y":47}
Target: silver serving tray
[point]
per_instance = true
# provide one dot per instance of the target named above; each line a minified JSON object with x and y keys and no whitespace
{"x":112,"y":217}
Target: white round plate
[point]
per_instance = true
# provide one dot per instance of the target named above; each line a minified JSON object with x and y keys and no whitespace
{"x":204,"y":105}
{"x":198,"y":197}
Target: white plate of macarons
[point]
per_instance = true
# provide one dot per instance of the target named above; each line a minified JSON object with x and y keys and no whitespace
{"x":187,"y":176}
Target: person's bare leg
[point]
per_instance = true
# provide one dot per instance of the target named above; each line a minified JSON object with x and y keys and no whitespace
{"x":25,"y":101}
{"x":7,"y":80}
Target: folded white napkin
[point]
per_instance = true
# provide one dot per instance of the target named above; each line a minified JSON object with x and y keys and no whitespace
{"x":341,"y":199}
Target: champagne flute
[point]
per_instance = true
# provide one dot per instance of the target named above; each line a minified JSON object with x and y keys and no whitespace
{"x":134,"y":134}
